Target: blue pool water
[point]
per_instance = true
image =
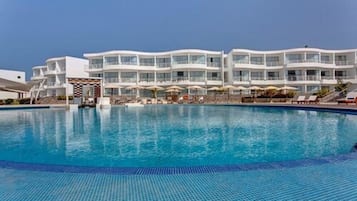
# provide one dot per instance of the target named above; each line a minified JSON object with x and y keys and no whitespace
{"x":172,"y":136}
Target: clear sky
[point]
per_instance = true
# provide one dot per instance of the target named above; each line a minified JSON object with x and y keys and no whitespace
{"x":33,"y":30}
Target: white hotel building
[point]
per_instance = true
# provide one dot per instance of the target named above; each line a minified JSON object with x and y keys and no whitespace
{"x":54,"y":73}
{"x":307,"y":69}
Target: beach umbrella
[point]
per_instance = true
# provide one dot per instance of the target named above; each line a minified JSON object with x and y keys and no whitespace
{"x":154,"y":90}
{"x":175,"y":87}
{"x":288,"y":88}
{"x":195,"y":87}
{"x":240,"y":88}
{"x":271,"y":89}
{"x":134,"y":87}
{"x":215,"y":89}
{"x":255,"y":88}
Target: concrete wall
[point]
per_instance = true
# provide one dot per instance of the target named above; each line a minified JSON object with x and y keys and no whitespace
{"x":75,"y":67}
{"x":16,"y":76}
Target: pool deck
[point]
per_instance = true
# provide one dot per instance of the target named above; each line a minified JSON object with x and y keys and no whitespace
{"x":335,"y":180}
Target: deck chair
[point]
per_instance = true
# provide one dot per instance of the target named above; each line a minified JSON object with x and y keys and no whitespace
{"x":350,"y":98}
{"x":300,"y":99}
{"x":312,"y":99}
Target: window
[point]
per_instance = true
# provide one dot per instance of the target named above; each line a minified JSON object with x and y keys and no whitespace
{"x":180,"y":59}
{"x":257,"y":60}
{"x":129,"y":60}
{"x":180,"y":74}
{"x":214,"y":74}
{"x":198,"y":59}
{"x":111,"y":60}
{"x":243,"y":59}
{"x":147,"y":61}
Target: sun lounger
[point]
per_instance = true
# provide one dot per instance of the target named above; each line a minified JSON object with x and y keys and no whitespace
{"x":350,"y":98}
{"x":201,"y":100}
{"x":312,"y":99}
{"x":300,"y":99}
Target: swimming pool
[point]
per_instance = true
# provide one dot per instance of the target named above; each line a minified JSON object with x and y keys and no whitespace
{"x":172,"y":136}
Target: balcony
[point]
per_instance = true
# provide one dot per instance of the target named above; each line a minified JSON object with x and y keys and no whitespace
{"x":163,"y":65}
{"x":55,"y":85}
{"x":214,"y":64}
{"x":344,"y":63}
{"x":111,"y":80}
{"x":197,"y":79}
{"x":129,"y":80}
{"x":95,"y":66}
{"x":273,"y":64}
{"x":147,"y":64}
{"x":50,"y":72}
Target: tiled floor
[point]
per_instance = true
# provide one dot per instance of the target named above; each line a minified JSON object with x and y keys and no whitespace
{"x":332,"y":181}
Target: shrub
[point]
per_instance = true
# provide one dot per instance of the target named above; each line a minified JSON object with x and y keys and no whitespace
{"x":64,"y":97}
{"x":9,"y":101}
{"x":25,"y":101}
{"x":322,"y":92}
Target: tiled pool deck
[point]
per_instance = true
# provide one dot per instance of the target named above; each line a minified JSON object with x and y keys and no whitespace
{"x":331,"y":178}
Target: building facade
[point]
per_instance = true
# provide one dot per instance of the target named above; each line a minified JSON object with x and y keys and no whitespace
{"x":308,"y":69}
{"x":15,"y":76}
{"x":54,"y":74}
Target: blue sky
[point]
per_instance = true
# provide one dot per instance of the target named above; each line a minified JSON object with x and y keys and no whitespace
{"x":32,"y":31}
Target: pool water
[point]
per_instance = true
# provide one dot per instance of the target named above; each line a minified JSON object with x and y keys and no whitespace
{"x":172,"y":135}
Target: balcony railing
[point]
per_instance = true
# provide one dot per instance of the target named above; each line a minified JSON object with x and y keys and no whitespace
{"x":327,"y":78}
{"x":274,"y":78}
{"x":214,"y":78}
{"x":343,"y":63}
{"x":197,"y":79}
{"x":296,"y":78}
{"x":111,"y":80}
{"x":147,"y":80}
{"x":240,"y":61}
{"x":95,"y":66}
{"x":129,"y":63}
{"x":344,"y":77}
{"x":213,"y":64}
{"x":239,"y":78}
{"x":257,"y":78}
{"x":130,"y":80}
{"x":163,"y":65}
{"x":312,"y":78}
{"x":147,"y":64}
{"x":257,"y":62}
{"x":112,"y":63}
{"x":273,"y":63}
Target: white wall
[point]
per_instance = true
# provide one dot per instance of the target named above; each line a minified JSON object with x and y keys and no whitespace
{"x":17,"y":76}
{"x":75,"y":67}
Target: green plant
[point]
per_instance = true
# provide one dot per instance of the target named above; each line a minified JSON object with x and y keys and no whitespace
{"x":25,"y":101}
{"x":63,"y":97}
{"x":9,"y":101}
{"x":322,"y":92}
{"x":342,"y":87}
{"x":291,"y":94}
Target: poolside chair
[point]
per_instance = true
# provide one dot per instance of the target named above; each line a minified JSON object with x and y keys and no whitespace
{"x":201,"y":100}
{"x":180,"y":100}
{"x":300,"y":99}
{"x":159,"y":101}
{"x":148,"y":101}
{"x":312,"y":99}
{"x":350,"y":98}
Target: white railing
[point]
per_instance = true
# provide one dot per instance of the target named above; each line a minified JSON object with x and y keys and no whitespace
{"x":95,"y":66}
{"x":241,"y":61}
{"x":214,"y":64}
{"x":327,"y":78}
{"x":343,"y":63}
{"x":147,"y":64}
{"x":257,"y":78}
{"x":312,"y":78}
{"x":214,"y":79}
{"x":111,"y":80}
{"x":197,"y":79}
{"x":112,"y":63}
{"x":273,"y":63}
{"x":163,"y":65}
{"x":296,"y":78}
{"x":257,"y":62}
{"x":130,"y":80}
{"x":239,"y":78}
{"x":129,"y":63}
{"x":274,"y":78}
{"x":50,"y":72}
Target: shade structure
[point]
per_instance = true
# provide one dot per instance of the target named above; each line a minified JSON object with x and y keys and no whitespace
{"x":240,"y":88}
{"x":271,"y":88}
{"x":175,"y":87}
{"x":172,"y":91}
{"x":255,"y":88}
{"x":134,"y":87}
{"x":154,"y":90}
{"x":214,"y":89}
{"x":288,"y":88}
{"x":154,"y":87}
{"x":194,"y":87}
{"x":228,"y":87}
